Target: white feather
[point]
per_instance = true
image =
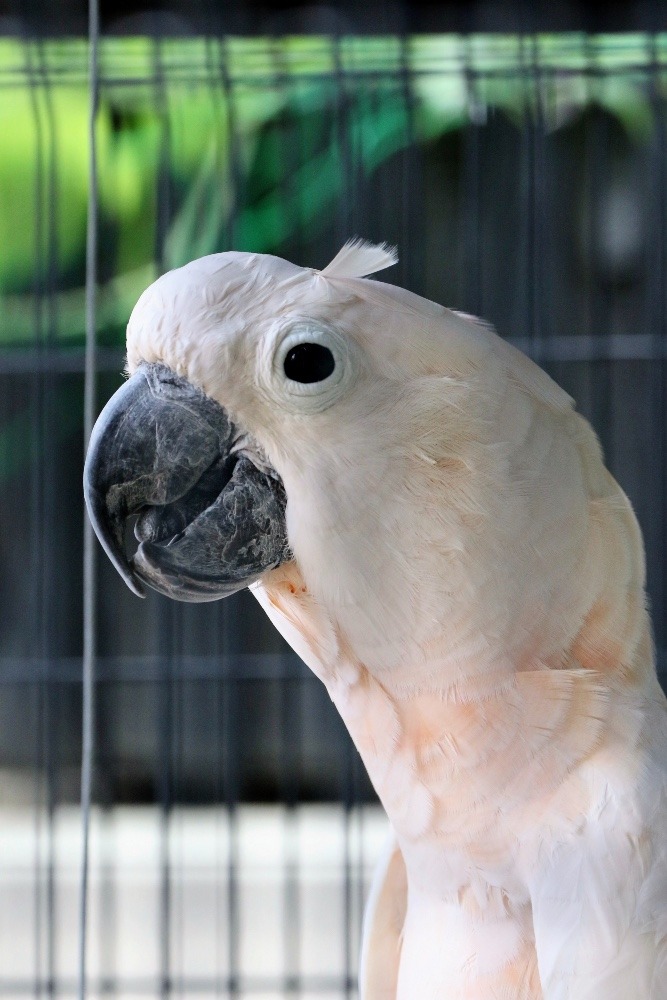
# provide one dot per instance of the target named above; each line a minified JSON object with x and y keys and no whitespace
{"x":468,"y":582}
{"x":358,"y":259}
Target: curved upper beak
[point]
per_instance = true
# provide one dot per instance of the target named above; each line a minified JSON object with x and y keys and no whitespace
{"x":209,"y":522}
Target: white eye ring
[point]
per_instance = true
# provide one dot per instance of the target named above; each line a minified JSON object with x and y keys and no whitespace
{"x":307,"y":397}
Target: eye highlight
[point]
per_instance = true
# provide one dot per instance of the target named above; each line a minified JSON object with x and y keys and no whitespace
{"x":308,"y":363}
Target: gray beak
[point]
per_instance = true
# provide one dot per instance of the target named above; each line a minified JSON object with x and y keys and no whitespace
{"x":209,"y":522}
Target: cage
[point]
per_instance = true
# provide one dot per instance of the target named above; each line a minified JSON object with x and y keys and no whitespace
{"x":524,"y":179}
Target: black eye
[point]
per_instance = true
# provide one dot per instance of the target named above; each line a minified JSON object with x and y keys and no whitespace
{"x":308,"y":363}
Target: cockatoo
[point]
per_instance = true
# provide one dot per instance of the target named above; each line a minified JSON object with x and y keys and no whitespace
{"x":426,"y":519}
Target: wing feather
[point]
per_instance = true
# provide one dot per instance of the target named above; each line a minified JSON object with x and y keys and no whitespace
{"x":383,"y":926}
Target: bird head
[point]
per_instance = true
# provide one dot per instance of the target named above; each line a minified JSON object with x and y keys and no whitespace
{"x":412,"y":463}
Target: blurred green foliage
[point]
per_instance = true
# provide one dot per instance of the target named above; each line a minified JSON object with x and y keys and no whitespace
{"x":207,"y":144}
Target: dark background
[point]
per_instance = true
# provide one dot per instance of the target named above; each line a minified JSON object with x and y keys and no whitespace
{"x":197,"y":16}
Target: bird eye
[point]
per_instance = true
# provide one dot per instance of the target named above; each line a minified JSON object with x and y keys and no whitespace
{"x":308,"y":363}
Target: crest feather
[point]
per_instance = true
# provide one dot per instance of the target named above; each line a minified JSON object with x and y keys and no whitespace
{"x":358,"y":259}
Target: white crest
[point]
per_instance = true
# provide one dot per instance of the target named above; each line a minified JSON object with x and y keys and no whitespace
{"x":358,"y":259}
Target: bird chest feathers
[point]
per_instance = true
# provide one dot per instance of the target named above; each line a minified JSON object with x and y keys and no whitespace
{"x":473,"y":768}
{"x":539,"y":788}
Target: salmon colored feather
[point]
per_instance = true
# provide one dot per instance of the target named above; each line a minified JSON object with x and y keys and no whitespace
{"x":468,"y":582}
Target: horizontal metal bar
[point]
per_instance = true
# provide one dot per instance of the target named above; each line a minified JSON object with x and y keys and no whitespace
{"x":62,"y":360}
{"x":589,"y":347}
{"x":149,"y":987}
{"x":150,"y":669}
{"x":194,"y":71}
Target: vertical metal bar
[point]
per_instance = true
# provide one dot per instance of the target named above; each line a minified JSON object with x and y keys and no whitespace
{"x":597,"y":166}
{"x":362,"y":812}
{"x":290,"y":135}
{"x":48,"y":503}
{"x":174,"y":936}
{"x":343,"y":129}
{"x":545,"y":266}
{"x":168,"y":614}
{"x":89,"y":547}
{"x":165,"y":726}
{"x":471,"y":214}
{"x":226,"y":987}
{"x":222,"y":830}
{"x":226,"y":635}
{"x":527,"y":242}
{"x":36,"y":518}
{"x":528,"y":68}
{"x":228,"y":714}
{"x":108,"y":915}
{"x":346,"y":110}
{"x":217,"y":66}
{"x":226,"y":163}
{"x":234,"y":152}
{"x":227,"y":699}
{"x":349,"y":800}
{"x":662,"y":332}
{"x":291,"y":737}
{"x":538,"y":207}
{"x":657,"y":324}
{"x":412,"y":176}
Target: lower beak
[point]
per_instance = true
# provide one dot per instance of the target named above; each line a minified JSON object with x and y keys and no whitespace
{"x":209,"y":522}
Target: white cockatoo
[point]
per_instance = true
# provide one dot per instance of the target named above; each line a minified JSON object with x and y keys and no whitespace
{"x":426,"y":519}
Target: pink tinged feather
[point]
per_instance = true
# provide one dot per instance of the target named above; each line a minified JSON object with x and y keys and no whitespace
{"x":384,"y":918}
{"x":479,"y":621}
{"x":370,"y":716}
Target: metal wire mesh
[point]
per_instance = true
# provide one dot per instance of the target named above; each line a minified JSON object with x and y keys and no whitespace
{"x":524,"y":179}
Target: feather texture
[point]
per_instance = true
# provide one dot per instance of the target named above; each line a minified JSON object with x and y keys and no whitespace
{"x":383,"y":925}
{"x":358,"y":259}
{"x":468,"y":583}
